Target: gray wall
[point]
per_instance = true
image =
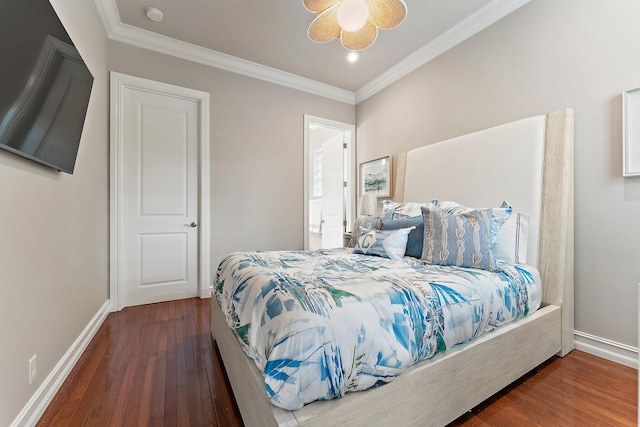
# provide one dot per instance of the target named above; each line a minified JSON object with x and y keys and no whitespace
{"x":54,"y":235}
{"x":547,"y":55}
{"x":54,"y":227}
{"x":256,"y":148}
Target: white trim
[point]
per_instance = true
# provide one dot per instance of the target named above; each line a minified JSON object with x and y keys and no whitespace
{"x":35,"y":407}
{"x":350,"y":160}
{"x":119,"y":82}
{"x":204,"y":275}
{"x":607,"y":349}
{"x":125,"y":33}
{"x":472,"y":25}
{"x":475,"y":23}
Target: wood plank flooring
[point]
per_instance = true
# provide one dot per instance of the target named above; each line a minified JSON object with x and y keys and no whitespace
{"x":156,"y":365}
{"x":151,"y":365}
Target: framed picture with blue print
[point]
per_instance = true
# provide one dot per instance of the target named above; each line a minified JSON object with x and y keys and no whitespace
{"x":375,"y":177}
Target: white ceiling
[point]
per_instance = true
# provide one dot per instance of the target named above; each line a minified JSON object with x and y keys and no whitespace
{"x":269,"y":38}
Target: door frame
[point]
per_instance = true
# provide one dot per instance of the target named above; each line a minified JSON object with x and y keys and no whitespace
{"x":350,"y":175}
{"x":119,"y":83}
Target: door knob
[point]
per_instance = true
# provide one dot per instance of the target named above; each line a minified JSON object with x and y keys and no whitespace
{"x":193,"y":224}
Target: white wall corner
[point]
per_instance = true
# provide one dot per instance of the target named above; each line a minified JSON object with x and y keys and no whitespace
{"x":35,"y":407}
{"x":607,"y":349}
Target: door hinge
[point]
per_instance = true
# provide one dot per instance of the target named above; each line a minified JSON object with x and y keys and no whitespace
{"x":344,"y":184}
{"x":344,"y":222}
{"x":344,"y":145}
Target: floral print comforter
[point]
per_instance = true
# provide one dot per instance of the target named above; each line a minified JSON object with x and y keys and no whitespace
{"x":321,"y":324}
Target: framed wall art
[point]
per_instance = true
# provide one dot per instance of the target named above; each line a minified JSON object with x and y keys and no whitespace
{"x":375,"y":177}
{"x":631,"y":132}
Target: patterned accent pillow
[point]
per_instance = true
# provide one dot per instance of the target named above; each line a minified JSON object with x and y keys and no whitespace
{"x":509,"y":232}
{"x":414,"y":241}
{"x":388,"y":243}
{"x":498,"y":215}
{"x":371,"y":222}
{"x":458,"y":237}
{"x":396,"y":210}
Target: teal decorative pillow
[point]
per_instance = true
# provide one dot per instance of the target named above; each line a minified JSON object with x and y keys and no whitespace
{"x":458,"y":237}
{"x":385,"y":243}
{"x":415,"y":238}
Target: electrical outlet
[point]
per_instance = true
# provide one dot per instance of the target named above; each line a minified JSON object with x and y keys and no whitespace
{"x":33,"y":368}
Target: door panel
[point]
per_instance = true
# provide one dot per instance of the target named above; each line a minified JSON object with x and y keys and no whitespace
{"x":159,"y":256}
{"x":164,"y":168}
{"x":160,"y":198}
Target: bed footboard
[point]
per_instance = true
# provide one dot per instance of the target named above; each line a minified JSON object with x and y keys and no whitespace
{"x":433,"y":393}
{"x":246,"y":380}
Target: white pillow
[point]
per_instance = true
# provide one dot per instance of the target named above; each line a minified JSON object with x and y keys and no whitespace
{"x":512,"y":240}
{"x":385,"y":243}
{"x":401,"y":210}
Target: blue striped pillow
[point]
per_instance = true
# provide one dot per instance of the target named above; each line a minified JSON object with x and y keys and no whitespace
{"x":458,"y":237}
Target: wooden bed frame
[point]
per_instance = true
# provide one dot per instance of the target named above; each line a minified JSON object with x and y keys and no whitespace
{"x":437,"y":391}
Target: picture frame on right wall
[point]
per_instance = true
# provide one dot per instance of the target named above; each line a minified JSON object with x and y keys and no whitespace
{"x":375,"y":177}
{"x":631,"y":132}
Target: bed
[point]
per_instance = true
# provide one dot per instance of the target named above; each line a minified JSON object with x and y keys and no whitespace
{"x":528,"y":162}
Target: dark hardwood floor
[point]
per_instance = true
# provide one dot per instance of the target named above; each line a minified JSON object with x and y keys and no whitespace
{"x":150,"y":365}
{"x":156,"y":365}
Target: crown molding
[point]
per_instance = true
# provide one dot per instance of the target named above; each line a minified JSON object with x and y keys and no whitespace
{"x":472,"y":25}
{"x":118,"y":31}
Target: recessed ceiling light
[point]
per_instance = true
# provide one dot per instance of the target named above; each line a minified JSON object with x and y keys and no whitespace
{"x":153,"y":14}
{"x":352,"y":56}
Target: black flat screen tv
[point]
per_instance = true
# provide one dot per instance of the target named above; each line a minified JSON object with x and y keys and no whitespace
{"x":44,"y":85}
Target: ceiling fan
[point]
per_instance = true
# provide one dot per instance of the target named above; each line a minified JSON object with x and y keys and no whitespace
{"x":355,"y":22}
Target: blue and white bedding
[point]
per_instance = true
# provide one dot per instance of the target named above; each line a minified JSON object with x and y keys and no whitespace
{"x":320,"y":324}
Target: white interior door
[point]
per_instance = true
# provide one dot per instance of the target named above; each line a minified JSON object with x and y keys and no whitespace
{"x":159,"y":194}
{"x":333,"y":192}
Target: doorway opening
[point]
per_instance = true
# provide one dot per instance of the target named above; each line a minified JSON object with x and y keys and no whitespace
{"x":329,"y":182}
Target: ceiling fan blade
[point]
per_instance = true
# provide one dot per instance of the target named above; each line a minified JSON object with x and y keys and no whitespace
{"x":360,"y":39}
{"x":325,"y":27}
{"x":387,"y":14}
{"x":318,"y":6}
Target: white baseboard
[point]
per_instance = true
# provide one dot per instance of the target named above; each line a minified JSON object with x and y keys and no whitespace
{"x":36,"y":406}
{"x":607,"y":349}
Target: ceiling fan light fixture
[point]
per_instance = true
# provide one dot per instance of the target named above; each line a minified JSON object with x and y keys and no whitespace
{"x":353,"y":14}
{"x":355,"y":22}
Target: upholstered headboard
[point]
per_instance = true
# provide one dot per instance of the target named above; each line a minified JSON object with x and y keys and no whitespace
{"x":484,"y":168}
{"x":529,"y":163}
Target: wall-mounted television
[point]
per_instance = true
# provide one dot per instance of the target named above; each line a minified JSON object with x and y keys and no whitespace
{"x":44,"y":85}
